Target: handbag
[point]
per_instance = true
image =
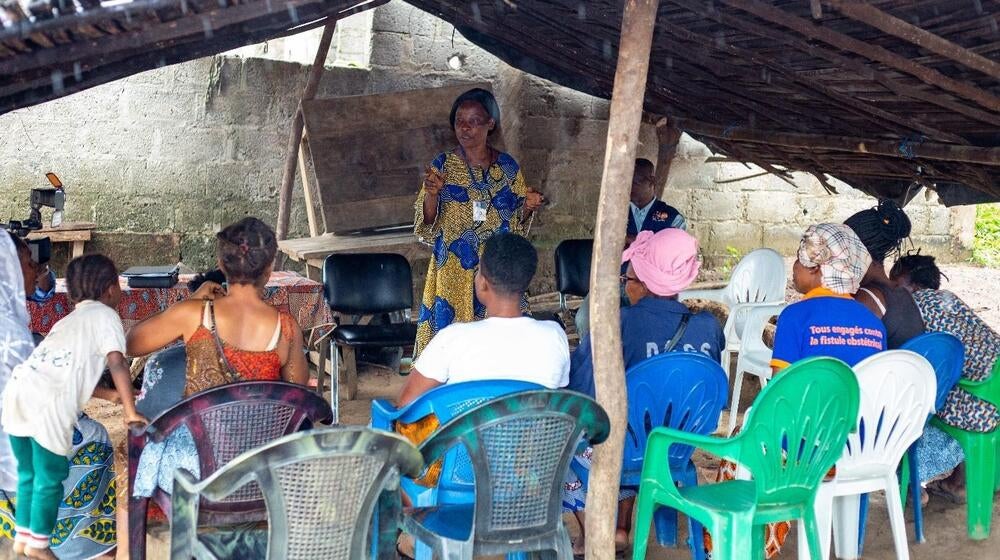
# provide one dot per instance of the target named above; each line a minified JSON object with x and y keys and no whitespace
{"x":674,"y":341}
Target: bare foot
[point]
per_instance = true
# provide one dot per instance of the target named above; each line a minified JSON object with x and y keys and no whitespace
{"x":19,"y":548}
{"x":621,"y":540}
{"x":40,"y":553}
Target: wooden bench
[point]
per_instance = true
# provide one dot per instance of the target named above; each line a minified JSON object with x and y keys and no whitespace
{"x":77,"y":233}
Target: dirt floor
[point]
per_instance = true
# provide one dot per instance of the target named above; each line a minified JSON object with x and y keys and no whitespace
{"x":944,"y":523}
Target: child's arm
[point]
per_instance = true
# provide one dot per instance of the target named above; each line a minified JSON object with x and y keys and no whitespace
{"x":123,"y":384}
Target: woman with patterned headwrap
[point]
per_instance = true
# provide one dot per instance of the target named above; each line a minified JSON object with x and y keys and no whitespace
{"x":468,"y":194}
{"x":85,"y":527}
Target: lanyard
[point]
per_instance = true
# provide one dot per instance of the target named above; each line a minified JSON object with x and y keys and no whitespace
{"x":478,"y":185}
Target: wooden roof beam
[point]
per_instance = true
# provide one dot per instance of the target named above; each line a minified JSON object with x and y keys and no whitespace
{"x":899,"y":149}
{"x":809,"y":29}
{"x":888,"y":23}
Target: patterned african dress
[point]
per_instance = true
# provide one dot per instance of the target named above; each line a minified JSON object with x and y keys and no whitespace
{"x":472,"y":206}
{"x":943,"y":311}
{"x":85,"y":527}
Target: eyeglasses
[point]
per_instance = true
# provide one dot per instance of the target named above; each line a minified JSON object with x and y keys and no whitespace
{"x":625,"y":279}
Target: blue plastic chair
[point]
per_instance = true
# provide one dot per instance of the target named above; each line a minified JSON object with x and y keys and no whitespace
{"x":680,"y":390}
{"x":947,"y":355}
{"x":456,"y":484}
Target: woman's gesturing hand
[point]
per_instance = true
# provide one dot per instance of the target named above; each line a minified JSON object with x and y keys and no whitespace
{"x":533,"y":200}
{"x":433,"y":181}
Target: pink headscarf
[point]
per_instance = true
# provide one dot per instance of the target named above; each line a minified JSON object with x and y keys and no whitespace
{"x":666,"y":261}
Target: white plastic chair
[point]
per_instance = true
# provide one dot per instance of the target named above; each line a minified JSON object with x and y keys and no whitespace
{"x":898,"y":388}
{"x":754,"y":356}
{"x":759,"y":278}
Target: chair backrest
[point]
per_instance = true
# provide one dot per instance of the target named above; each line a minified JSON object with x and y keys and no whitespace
{"x":520,"y":446}
{"x":797,"y":428}
{"x":945,"y":354}
{"x":163,"y":381}
{"x":367,"y":283}
{"x":457,"y":478}
{"x":681,"y":390}
{"x":229,"y":420}
{"x":897,"y":394}
{"x":573,"y":258}
{"x":759,"y":277}
{"x":321,"y":487}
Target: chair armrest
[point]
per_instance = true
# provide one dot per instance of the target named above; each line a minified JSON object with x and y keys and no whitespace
{"x":384,"y":414}
{"x":658,"y":448}
{"x":709,"y":294}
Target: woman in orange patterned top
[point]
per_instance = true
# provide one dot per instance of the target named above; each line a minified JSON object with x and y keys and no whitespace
{"x":230,"y":335}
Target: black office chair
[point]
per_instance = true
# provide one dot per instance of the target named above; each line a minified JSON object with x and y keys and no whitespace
{"x":356,"y":286}
{"x":573,"y":269}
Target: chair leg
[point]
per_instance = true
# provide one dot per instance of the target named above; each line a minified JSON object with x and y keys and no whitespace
{"x":980,"y":477}
{"x":734,"y":405}
{"x":758,"y":539}
{"x":456,"y":550}
{"x":137,"y":509}
{"x":732,"y":537}
{"x":862,"y":523}
{"x":644,"y":506}
{"x":334,"y":382}
{"x":350,"y":373}
{"x":823,"y":513}
{"x":845,"y":525}
{"x":896,"y":521}
{"x":915,"y":489}
{"x":812,"y":536}
{"x":665,"y":520}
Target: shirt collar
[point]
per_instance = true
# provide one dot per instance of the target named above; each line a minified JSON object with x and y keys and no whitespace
{"x":644,"y":208}
{"x":825,"y":292}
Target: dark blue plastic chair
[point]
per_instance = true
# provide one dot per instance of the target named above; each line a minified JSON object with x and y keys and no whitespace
{"x":947,"y":355}
{"x":681,"y":390}
{"x":456,"y":484}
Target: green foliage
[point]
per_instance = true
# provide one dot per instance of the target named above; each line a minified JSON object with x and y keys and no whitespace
{"x":986,"y":247}
{"x":733,"y":256}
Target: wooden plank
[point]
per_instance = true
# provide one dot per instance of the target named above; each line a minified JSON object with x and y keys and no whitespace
{"x":317,"y":248}
{"x":307,"y":192}
{"x":68,"y":232}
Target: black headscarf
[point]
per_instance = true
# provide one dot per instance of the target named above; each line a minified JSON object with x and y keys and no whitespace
{"x":484,"y":98}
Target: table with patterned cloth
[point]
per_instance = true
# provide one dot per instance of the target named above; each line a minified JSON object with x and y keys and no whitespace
{"x":287,"y":291}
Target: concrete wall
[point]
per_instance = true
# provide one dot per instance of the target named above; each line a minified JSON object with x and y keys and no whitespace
{"x":165,"y":158}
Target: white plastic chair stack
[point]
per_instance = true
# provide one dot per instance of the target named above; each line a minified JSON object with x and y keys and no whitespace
{"x":897,"y":393}
{"x":755,"y":293}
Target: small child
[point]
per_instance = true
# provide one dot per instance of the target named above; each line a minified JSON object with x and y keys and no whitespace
{"x":47,"y":391}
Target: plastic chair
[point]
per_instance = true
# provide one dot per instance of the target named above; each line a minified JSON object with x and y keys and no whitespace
{"x":754,"y":356}
{"x":684,"y":391}
{"x":946,"y":355}
{"x":897,"y":393}
{"x":792,"y":436}
{"x":759,"y":278}
{"x":573,"y":258}
{"x":520,"y":447}
{"x":982,"y":453}
{"x":321,"y":488}
{"x":225,"y":421}
{"x":356,"y":285}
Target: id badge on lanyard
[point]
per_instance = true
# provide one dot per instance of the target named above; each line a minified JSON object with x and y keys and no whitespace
{"x":479,"y":208}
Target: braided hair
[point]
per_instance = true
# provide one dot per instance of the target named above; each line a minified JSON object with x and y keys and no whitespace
{"x":920,"y":269}
{"x":246,"y":250}
{"x":89,"y":276}
{"x":882,"y":229}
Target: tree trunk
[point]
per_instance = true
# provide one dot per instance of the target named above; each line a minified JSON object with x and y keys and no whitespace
{"x":609,"y":238}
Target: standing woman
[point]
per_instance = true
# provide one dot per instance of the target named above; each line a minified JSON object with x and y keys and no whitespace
{"x":469,"y":193}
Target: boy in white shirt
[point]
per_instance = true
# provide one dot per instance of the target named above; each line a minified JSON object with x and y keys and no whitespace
{"x":507,"y":345}
{"x":47,"y":391}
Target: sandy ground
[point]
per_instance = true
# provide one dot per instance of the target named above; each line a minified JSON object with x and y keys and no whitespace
{"x":944,"y":523}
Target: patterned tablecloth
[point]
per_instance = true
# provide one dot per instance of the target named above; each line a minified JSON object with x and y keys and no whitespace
{"x":287,"y":291}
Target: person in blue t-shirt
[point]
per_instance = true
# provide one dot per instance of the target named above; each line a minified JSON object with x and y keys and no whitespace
{"x":828,"y":321}
{"x":660,"y":266}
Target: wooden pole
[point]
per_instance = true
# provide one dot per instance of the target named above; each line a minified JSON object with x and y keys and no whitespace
{"x":627,"y":98}
{"x":906,"y":149}
{"x":866,"y":13}
{"x":295,"y":137}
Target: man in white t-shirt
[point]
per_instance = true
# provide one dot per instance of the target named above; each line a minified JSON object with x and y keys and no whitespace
{"x":507,"y":345}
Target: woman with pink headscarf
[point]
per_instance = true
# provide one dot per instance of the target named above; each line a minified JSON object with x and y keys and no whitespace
{"x":660,"y":266}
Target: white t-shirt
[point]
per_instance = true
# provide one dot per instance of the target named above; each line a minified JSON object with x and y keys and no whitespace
{"x":47,"y":391}
{"x":517,"y":348}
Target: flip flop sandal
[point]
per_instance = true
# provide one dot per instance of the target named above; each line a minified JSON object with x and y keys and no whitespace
{"x":935,"y":489}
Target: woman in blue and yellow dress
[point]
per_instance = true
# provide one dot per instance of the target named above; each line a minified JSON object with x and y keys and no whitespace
{"x":468,"y":194}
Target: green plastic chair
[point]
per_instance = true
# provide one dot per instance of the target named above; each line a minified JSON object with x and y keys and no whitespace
{"x":982,"y":454}
{"x":792,"y":436}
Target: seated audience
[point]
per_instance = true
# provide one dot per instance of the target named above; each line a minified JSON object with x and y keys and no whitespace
{"x":505,"y":345}
{"x":828,"y":321}
{"x":660,"y":265}
{"x":943,"y":311}
{"x":882,"y":230}
{"x":645,"y":213}
{"x":257,"y":343}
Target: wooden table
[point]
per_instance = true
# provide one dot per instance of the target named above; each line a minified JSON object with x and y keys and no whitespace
{"x":314,"y":250}
{"x":77,"y":233}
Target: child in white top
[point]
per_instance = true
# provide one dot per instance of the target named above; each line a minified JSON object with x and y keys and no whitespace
{"x":46,"y":392}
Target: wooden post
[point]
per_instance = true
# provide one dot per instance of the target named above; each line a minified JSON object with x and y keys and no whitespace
{"x":295,"y":137}
{"x":627,"y":97}
{"x":668,"y":137}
